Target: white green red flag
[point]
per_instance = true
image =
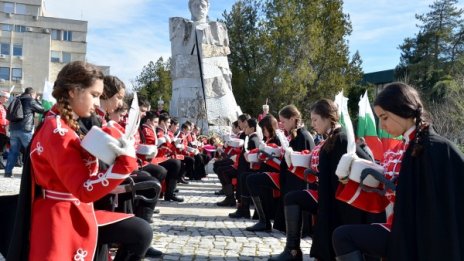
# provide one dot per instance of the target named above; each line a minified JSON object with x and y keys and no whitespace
{"x":47,"y":98}
{"x":367,"y":128}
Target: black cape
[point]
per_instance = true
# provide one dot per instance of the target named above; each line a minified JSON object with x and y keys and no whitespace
{"x":429,"y":207}
{"x":332,"y":212}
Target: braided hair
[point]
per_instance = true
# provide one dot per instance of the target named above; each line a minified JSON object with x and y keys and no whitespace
{"x":75,"y":75}
{"x":288,"y":112}
{"x":327,"y":109}
{"x":404,"y":101}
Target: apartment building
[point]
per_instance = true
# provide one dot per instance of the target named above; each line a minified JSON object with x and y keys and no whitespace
{"x":34,"y":47}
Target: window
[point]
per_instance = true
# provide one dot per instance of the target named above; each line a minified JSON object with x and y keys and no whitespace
{"x":8,"y":7}
{"x":56,"y":34}
{"x":17,"y":50}
{"x":67,"y":35}
{"x":20,"y":28}
{"x":6,"y":27}
{"x":5,"y":48}
{"x":5,"y":73}
{"x":16,"y":74}
{"x":55,"y":57}
{"x":21,"y":9}
{"x":66,"y":57}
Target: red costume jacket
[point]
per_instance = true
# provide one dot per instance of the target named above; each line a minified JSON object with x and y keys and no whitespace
{"x":64,"y":224}
{"x":3,"y":121}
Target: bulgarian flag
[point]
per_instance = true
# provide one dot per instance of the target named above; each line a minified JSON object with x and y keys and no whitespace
{"x":388,"y":141}
{"x":367,"y":128}
{"x":47,"y":99}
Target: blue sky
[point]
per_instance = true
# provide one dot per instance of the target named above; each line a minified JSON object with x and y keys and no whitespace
{"x":128,"y":34}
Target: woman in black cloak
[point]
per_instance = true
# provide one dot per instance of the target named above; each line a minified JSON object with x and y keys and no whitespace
{"x":427,"y":219}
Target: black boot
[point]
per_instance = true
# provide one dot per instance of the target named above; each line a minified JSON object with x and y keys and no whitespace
{"x":145,"y":213}
{"x":292,"y":249}
{"x":263,"y":224}
{"x":243,"y":210}
{"x":352,"y":256}
{"x":170,"y":188}
{"x":229,"y":201}
{"x":151,"y":252}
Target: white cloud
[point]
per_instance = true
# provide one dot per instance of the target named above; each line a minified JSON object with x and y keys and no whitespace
{"x":127,"y":34}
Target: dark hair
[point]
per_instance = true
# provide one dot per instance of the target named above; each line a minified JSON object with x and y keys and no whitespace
{"x":163,"y":117}
{"x":143,"y":102}
{"x":184,"y":126}
{"x":74,"y":75}
{"x":404,"y":101}
{"x":327,"y":109}
{"x":189,"y":123}
{"x":111,"y":86}
{"x":288,"y":112}
{"x":252,"y":123}
{"x":269,"y":123}
{"x":122,"y":108}
{"x":174,"y":121}
{"x":235,"y":124}
{"x":29,"y":90}
{"x":244,"y":117}
{"x":149,"y":115}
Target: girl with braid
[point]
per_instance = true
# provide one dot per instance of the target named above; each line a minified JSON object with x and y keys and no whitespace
{"x":319,"y":198}
{"x":425,"y":204}
{"x":56,"y":219}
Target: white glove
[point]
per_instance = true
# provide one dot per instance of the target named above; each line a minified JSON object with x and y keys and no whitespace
{"x":288,"y":155}
{"x":126,"y":147}
{"x":160,"y":141}
{"x":344,"y":166}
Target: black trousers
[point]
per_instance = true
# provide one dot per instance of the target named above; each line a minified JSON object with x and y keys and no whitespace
{"x":155,"y":171}
{"x":369,"y":239}
{"x":226,"y":173}
{"x":187,"y":167}
{"x":199,"y":171}
{"x":302,"y":199}
{"x":221,"y":163}
{"x":3,"y":141}
{"x":133,"y":235}
{"x":257,"y":182}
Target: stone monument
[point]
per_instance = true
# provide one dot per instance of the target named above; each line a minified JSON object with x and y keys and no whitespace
{"x":201,"y":78}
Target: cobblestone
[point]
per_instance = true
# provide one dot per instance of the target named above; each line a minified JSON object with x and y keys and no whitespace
{"x":197,"y":229}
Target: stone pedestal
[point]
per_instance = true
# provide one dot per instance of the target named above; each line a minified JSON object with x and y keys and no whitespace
{"x":189,"y":92}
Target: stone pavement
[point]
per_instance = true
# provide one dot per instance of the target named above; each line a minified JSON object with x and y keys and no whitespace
{"x":197,"y":229}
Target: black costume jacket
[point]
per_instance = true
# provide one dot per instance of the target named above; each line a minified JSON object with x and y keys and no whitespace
{"x":332,"y":212}
{"x":429,"y":207}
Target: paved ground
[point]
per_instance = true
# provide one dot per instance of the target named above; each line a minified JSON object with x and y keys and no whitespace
{"x":199,"y":230}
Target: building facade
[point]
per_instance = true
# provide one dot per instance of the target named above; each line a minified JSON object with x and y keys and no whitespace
{"x":33,"y":47}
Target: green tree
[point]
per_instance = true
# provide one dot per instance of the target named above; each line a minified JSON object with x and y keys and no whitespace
{"x":433,"y":55}
{"x":298,"y":52}
{"x":155,"y":82}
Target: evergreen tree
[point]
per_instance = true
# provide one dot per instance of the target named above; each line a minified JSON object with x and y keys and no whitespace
{"x":433,"y":56}
{"x":155,"y":81}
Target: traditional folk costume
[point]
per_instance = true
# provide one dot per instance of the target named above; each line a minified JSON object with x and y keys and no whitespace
{"x":425,"y":214}
{"x":66,"y":181}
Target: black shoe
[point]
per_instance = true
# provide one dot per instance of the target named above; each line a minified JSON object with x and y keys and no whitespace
{"x":240,"y":213}
{"x":288,"y":255}
{"x":219,"y":193}
{"x":8,"y":175}
{"x":151,"y":252}
{"x":173,"y":198}
{"x":176,"y":190}
{"x":227,"y":202}
{"x":260,"y":226}
{"x":156,"y":211}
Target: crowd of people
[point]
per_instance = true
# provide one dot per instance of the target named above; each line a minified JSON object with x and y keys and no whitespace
{"x":299,"y":182}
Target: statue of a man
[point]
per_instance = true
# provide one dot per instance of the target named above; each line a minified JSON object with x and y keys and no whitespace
{"x":202,"y":87}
